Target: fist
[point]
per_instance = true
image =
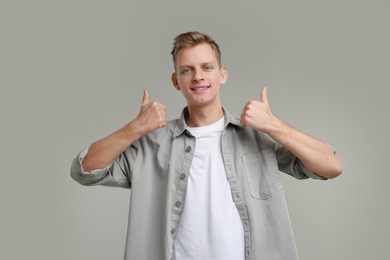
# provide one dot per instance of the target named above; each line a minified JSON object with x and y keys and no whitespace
{"x":257,"y":114}
{"x":151,"y":116}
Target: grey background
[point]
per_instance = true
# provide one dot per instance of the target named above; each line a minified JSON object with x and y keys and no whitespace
{"x":74,"y":71}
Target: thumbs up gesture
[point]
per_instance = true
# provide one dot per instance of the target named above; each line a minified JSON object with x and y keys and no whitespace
{"x":257,"y":114}
{"x":151,"y":116}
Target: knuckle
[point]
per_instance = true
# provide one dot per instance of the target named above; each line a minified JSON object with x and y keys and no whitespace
{"x":154,"y":104}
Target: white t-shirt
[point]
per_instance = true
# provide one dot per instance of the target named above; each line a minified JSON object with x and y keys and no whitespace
{"x":210,"y":227}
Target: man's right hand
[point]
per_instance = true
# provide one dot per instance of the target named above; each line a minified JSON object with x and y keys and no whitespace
{"x":151,"y":116}
{"x":104,"y":151}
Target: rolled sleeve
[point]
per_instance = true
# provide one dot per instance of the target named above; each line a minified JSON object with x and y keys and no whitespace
{"x":86,"y":178}
{"x":292,"y":165}
{"x":112,"y":175}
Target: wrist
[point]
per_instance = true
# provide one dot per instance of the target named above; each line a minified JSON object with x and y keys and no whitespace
{"x":277,"y":129}
{"x":132,"y":131}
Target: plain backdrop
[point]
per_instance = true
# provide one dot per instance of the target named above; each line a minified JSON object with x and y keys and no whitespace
{"x":72,"y":72}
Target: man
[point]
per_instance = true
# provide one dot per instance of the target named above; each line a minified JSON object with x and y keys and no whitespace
{"x":205,"y":186}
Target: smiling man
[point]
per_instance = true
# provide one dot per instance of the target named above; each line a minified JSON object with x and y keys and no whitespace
{"x":206,"y":185}
{"x":199,"y":77}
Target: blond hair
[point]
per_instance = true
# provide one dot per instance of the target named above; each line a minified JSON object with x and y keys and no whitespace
{"x":191,"y":39}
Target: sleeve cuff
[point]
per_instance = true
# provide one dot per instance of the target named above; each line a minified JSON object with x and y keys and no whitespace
{"x":81,"y":157}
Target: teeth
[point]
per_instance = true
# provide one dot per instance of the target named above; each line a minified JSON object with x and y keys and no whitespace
{"x":202,"y":88}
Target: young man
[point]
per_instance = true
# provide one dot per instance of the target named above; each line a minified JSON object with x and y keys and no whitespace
{"x":205,"y":186}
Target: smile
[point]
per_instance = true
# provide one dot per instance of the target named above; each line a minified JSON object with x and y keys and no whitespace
{"x":200,"y":88}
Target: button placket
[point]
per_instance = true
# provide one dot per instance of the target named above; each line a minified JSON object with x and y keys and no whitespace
{"x":182,"y":184}
{"x":238,"y":196}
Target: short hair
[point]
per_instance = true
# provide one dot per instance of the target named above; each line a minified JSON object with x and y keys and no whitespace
{"x":191,"y":39}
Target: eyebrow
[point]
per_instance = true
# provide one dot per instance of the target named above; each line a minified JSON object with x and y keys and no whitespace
{"x":202,"y":64}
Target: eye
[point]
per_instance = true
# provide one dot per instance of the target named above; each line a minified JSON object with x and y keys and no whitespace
{"x":208,"y":67}
{"x":185,"y":70}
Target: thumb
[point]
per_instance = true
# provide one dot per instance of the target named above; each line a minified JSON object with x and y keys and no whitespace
{"x":145,"y":98}
{"x":263,"y":97}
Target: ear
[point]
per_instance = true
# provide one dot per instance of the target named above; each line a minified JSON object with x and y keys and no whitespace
{"x":174,"y":81}
{"x":224,"y":75}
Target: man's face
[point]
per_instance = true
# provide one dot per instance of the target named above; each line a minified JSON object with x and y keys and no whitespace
{"x":199,"y":76}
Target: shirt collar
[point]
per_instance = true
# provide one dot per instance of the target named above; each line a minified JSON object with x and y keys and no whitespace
{"x":181,"y":125}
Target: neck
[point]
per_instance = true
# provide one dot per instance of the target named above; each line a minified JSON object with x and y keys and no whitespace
{"x":202,"y":116}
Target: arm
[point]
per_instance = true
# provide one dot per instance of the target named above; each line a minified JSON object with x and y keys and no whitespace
{"x":316,"y":155}
{"x":103,"y":152}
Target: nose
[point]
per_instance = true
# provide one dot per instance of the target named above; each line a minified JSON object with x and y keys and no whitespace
{"x":198,"y":75}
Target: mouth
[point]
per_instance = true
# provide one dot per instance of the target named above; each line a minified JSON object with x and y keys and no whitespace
{"x":200,"y":88}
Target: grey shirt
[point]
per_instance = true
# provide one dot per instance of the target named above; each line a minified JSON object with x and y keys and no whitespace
{"x":156,"y":168}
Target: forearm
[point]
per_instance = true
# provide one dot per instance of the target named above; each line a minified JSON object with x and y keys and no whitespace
{"x":104,"y":151}
{"x":316,"y":155}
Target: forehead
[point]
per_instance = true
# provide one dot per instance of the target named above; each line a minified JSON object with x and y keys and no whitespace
{"x":201,"y":53}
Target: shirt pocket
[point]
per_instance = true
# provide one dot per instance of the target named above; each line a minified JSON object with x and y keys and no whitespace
{"x":262,"y":174}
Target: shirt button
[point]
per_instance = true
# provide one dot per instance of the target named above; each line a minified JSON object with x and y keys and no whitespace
{"x":178,"y":204}
{"x":188,"y":149}
{"x":173,"y":231}
{"x":182,"y":176}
